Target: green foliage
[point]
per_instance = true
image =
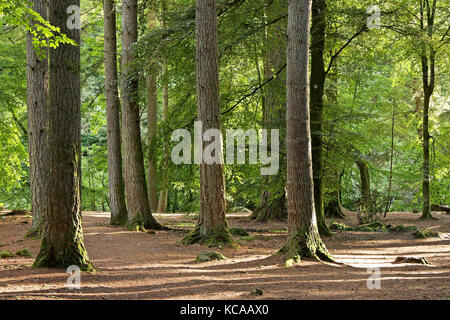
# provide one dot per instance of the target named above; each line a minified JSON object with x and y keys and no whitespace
{"x":425,"y":233}
{"x":375,"y":226}
{"x":6,"y":254}
{"x":377,"y":74}
{"x":23,"y":253}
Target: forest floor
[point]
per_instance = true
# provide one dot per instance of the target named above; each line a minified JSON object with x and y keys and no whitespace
{"x":137,"y":265}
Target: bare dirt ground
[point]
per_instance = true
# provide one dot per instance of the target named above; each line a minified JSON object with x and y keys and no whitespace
{"x":137,"y":265}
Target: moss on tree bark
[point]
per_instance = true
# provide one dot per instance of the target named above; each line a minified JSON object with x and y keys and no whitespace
{"x":212,"y":238}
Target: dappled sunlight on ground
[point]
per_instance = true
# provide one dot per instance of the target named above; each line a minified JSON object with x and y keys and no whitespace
{"x":137,"y":265}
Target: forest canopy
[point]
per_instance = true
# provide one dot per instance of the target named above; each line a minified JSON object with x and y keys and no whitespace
{"x":373,"y":85}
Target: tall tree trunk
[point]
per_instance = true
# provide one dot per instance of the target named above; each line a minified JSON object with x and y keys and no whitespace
{"x":318,"y":75}
{"x":426,"y":210}
{"x":391,"y":161}
{"x":334,"y":208}
{"x":272,"y":206}
{"x":37,"y":99}
{"x":62,"y":244}
{"x":365,"y":183}
{"x":303,"y":235}
{"x":116,"y":184}
{"x":428,"y":78}
{"x":211,"y":227}
{"x":139,"y":212}
{"x":152,"y":109}
{"x":162,"y":203}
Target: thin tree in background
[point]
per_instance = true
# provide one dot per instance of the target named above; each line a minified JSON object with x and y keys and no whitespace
{"x":303,"y":235}
{"x":391,"y":160}
{"x":427,"y":55}
{"x":318,"y":26}
{"x":162,"y":203}
{"x":211,"y":227}
{"x":365,"y":182}
{"x":139,"y":212}
{"x":272,"y":205}
{"x":116,"y":184}
{"x":152,"y":109}
{"x":62,"y":243}
{"x":37,"y":99}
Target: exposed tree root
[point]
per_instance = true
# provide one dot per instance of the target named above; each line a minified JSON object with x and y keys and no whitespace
{"x":139,"y":223}
{"x":213,"y":238}
{"x":334,"y":210}
{"x":36,"y":232}
{"x":427,"y":217}
{"x":72,"y":253}
{"x":119,"y":220}
{"x":305,"y":245}
{"x":323,"y":228}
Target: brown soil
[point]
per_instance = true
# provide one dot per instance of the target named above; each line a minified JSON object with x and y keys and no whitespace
{"x":137,"y":265}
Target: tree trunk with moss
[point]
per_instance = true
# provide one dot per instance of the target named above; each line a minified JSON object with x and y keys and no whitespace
{"x":334,"y":208}
{"x":139,"y":212}
{"x":365,"y":182}
{"x":115,"y":177}
{"x":63,"y":244}
{"x":273,"y":206}
{"x":317,"y":85}
{"x":211,"y":227}
{"x":37,"y":98}
{"x":303,"y":235}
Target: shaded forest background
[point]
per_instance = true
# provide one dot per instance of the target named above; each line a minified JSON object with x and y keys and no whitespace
{"x":373,"y":92}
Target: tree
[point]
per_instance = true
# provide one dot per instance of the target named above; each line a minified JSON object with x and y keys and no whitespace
{"x":211,"y":227}
{"x":162,"y":203}
{"x":272,"y":203}
{"x":365,"y":182}
{"x":62,"y":243}
{"x":427,"y":55}
{"x":317,"y":82}
{"x":303,"y":235}
{"x":139,"y":212}
{"x":424,"y":24}
{"x":152,"y":109}
{"x":116,"y":184}
{"x":37,"y":98}
{"x":334,"y":208}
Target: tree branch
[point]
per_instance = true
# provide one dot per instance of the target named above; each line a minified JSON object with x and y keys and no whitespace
{"x":255,"y":90}
{"x":363,"y":29}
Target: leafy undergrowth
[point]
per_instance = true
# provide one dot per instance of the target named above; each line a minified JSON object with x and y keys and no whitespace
{"x":6,"y":254}
{"x":20,"y":253}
